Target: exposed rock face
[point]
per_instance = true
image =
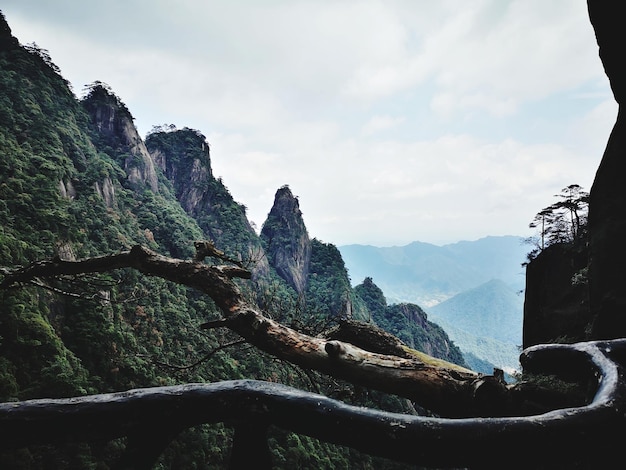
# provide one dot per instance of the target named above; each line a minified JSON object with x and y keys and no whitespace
{"x":414,"y":314}
{"x":115,"y":123}
{"x":428,"y":339}
{"x":286,"y":240}
{"x":188,"y":167}
{"x":409,"y":323}
{"x":607,"y":205}
{"x":183,"y":157}
{"x":66,"y":188}
{"x":555,"y":307}
{"x":106,"y":191}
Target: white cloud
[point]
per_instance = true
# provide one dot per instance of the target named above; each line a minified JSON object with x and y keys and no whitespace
{"x":380,"y":123}
{"x":345,"y":101}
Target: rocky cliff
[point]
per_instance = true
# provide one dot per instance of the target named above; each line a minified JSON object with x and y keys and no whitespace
{"x":286,"y":240}
{"x":114,"y":125}
{"x":183,"y":157}
{"x":409,"y":323}
{"x":607,"y":205}
{"x":557,"y":305}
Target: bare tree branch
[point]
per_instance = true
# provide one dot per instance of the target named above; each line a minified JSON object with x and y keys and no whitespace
{"x":444,"y":388}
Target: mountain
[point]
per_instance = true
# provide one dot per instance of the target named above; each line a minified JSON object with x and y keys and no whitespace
{"x":409,"y":323}
{"x":482,"y":353}
{"x":485,"y":323}
{"x":183,"y":156}
{"x":77,"y":180}
{"x":428,"y":274}
{"x":471,"y":288}
{"x":491,"y":309}
{"x":287,"y":241}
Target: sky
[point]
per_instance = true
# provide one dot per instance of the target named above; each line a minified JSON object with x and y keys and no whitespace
{"x":392,"y":121}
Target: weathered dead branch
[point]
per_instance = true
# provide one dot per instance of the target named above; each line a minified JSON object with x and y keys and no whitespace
{"x":444,"y":388}
{"x":582,"y":437}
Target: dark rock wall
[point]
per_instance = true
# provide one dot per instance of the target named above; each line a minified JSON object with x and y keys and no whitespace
{"x":556,"y":307}
{"x":607,"y":205}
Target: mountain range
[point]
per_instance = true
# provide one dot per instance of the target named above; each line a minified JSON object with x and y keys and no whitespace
{"x":473,"y":289}
{"x":78,"y":181}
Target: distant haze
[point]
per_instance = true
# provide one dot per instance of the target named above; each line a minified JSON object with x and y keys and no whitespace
{"x":427,"y":274}
{"x":474,"y":290}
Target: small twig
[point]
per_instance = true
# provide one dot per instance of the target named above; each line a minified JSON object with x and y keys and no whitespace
{"x":56,"y":290}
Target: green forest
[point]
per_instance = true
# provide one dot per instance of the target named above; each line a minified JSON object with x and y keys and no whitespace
{"x":76,"y":180}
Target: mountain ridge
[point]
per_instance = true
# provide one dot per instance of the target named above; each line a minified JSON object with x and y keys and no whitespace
{"x":427,"y":274}
{"x":470,"y":288}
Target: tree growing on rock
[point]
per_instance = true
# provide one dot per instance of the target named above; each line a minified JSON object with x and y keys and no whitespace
{"x":562,"y":222}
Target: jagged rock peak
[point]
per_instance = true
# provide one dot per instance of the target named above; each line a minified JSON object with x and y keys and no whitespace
{"x":609,"y":30}
{"x":184,"y":159}
{"x":183,"y":155}
{"x":286,"y":240}
{"x":115,"y":123}
{"x":287,"y":205}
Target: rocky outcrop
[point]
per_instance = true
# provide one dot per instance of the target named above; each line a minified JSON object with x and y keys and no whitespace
{"x":106,"y":191}
{"x":115,"y":124}
{"x":556,"y":307}
{"x":183,"y":157}
{"x":286,"y":240}
{"x":66,"y":189}
{"x":413,"y":313}
{"x":409,"y":323}
{"x":412,"y":326}
{"x":607,"y":204}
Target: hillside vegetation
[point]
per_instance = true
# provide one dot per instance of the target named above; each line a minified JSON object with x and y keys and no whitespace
{"x":76,"y":180}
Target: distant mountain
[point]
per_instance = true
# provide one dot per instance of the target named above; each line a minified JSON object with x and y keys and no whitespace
{"x":482,"y":353}
{"x":491,"y":309}
{"x":428,"y":274}
{"x":484,"y":322}
{"x":470,"y":288}
{"x":409,"y":323}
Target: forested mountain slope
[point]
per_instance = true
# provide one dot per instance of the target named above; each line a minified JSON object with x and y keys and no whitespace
{"x":409,"y":323}
{"x":77,"y":180}
{"x":473,"y":289}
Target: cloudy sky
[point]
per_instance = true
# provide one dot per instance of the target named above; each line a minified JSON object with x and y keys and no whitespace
{"x":392,"y":121}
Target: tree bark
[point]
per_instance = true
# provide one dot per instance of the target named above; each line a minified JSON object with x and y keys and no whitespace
{"x":589,"y":436}
{"x":446,"y":389}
